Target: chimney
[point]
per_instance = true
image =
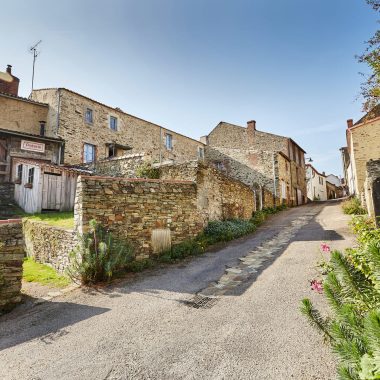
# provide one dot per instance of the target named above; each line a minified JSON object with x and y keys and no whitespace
{"x":251,"y":125}
{"x":350,"y":123}
{"x":204,"y":140}
{"x":9,"y":86}
{"x":9,"y":69}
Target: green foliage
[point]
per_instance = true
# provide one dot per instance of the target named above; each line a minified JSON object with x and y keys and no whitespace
{"x":43,"y":274}
{"x":98,"y":257}
{"x":146,"y":170}
{"x":138,"y":265}
{"x":352,"y":206}
{"x":57,"y":219}
{"x":352,"y":288}
{"x":228,"y":230}
{"x":180,"y":251}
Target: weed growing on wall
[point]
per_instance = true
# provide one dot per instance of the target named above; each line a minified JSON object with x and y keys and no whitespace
{"x":146,"y":170}
{"x":98,"y":257}
{"x":352,"y":288}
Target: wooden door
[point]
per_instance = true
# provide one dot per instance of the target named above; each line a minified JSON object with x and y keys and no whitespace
{"x":52,"y":191}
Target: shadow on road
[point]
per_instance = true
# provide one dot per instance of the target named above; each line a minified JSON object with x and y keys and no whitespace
{"x":45,"y":322}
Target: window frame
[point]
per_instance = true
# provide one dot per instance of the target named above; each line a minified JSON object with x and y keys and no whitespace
{"x":116,"y":123}
{"x":169,"y":141}
{"x":20,"y":168}
{"x":201,"y":152}
{"x":91,"y":113}
{"x":31,"y":175}
{"x":93,"y":153}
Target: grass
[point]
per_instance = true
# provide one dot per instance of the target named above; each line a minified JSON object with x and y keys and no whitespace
{"x":56,"y":219}
{"x":43,"y":274}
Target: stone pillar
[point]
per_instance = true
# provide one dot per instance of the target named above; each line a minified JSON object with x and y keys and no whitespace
{"x":11,"y":259}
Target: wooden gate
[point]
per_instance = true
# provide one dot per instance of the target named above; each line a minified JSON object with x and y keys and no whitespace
{"x":4,"y":160}
{"x":376,"y":199}
{"x":51,"y":191}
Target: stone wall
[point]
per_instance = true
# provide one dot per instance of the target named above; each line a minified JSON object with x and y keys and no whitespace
{"x":49,"y":245}
{"x":218,"y":196}
{"x":124,"y":166}
{"x":138,"y":134}
{"x":11,"y":259}
{"x":136,"y":209}
{"x":7,"y":191}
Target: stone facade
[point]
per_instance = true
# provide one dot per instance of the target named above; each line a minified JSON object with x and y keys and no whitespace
{"x":251,"y":156}
{"x":372,"y":188}
{"x":69,"y":117}
{"x":24,"y":133}
{"x":124,"y":166}
{"x":316,"y":184}
{"x":11,"y":259}
{"x":218,"y":196}
{"x":49,"y":245}
{"x":7,"y":191}
{"x":136,"y":209}
{"x":363,"y":142}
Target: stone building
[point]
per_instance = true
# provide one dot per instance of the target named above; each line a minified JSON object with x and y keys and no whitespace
{"x":23,"y":132}
{"x":316,"y":184}
{"x":372,"y":189}
{"x":363,"y":144}
{"x":273,"y":165}
{"x":93,"y":131}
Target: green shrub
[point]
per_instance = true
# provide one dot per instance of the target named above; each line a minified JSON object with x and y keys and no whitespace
{"x":179,"y":251}
{"x":138,"y":265}
{"x":146,"y":170}
{"x":352,"y":288}
{"x":98,"y":256}
{"x":228,"y":230}
{"x":352,"y":206}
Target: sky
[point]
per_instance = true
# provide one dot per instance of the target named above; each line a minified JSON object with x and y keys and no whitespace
{"x":189,"y":64}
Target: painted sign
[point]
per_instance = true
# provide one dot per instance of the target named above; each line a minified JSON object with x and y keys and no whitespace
{"x":33,"y":146}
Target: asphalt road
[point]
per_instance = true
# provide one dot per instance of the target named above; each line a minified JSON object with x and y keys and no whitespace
{"x":144,"y":328}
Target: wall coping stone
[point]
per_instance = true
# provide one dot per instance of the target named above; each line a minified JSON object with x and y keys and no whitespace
{"x":9,"y":221}
{"x":106,"y":178}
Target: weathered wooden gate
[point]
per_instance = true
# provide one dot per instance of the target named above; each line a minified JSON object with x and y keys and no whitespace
{"x":4,"y":161}
{"x":52,"y":191}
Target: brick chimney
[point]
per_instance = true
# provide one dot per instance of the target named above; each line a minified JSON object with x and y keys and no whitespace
{"x":350,"y":123}
{"x":251,"y":128}
{"x":9,"y":84}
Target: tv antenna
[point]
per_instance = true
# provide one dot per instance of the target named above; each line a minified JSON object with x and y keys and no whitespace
{"x":36,"y":53}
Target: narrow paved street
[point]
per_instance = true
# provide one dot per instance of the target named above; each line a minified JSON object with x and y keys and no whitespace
{"x":148,"y":329}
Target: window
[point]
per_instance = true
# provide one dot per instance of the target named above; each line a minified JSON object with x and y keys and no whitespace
{"x":88,"y":153}
{"x":89,"y":116}
{"x":31,"y":175}
{"x":219,"y":165}
{"x":113,"y":123}
{"x":201,"y":152}
{"x":169,"y":141}
{"x":321,"y":180}
{"x":19,"y":173}
{"x":112,"y":151}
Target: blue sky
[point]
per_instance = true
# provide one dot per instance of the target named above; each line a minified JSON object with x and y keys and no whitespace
{"x":188,"y":64}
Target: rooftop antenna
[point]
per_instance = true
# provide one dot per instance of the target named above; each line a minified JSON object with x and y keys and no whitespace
{"x":36,"y":53}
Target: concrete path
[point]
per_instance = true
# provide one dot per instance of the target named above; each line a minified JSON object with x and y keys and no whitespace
{"x":247,"y":327}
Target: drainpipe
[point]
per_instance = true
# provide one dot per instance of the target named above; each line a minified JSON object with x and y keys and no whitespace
{"x":58,"y":110}
{"x":274,"y":181}
{"x":160,"y":145}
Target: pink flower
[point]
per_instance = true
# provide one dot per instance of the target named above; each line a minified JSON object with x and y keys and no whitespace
{"x":316,"y":286}
{"x":325,"y":247}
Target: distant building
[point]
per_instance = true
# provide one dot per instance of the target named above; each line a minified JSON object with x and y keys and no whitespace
{"x":316,"y":184}
{"x":273,"y":165}
{"x":8,"y":82}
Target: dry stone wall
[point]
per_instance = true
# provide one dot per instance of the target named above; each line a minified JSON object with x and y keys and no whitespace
{"x":11,"y":259}
{"x":135,"y":209}
{"x":49,"y":245}
{"x":219,"y":197}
